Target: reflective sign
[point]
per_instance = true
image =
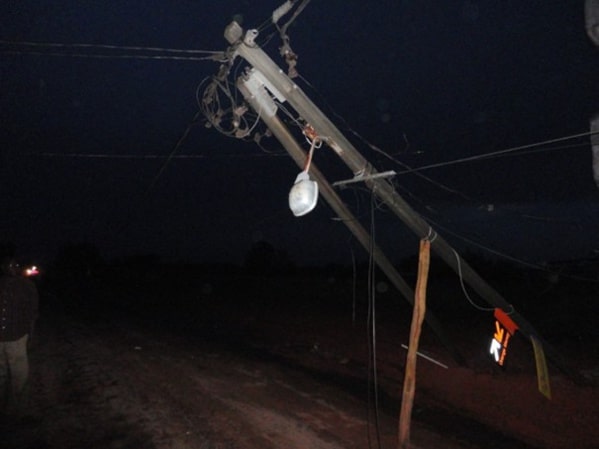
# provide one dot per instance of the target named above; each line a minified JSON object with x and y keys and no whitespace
{"x":504,"y":329}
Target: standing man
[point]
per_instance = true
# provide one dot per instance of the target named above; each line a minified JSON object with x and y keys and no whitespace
{"x":18,"y":313}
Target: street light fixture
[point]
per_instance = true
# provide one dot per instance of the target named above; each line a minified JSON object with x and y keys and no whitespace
{"x":303,"y":195}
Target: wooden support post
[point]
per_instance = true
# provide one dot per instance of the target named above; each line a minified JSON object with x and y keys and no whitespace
{"x":409,"y":384}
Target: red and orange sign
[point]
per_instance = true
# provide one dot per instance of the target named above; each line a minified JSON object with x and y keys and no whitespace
{"x":504,"y":329}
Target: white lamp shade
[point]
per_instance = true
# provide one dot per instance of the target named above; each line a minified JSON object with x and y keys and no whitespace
{"x":303,"y":196}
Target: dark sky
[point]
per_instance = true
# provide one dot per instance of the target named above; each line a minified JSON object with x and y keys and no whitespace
{"x":426,"y":82}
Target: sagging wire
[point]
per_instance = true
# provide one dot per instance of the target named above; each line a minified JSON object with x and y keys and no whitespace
{"x":354,"y":285}
{"x":212,"y":103}
{"x":476,"y":306}
{"x":485,"y":248}
{"x":127,"y":223}
{"x":371,"y":330}
{"x":178,"y":145}
{"x":220,"y":105}
{"x":211,"y":106}
{"x":505,"y":256}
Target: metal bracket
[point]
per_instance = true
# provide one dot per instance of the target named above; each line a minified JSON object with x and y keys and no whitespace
{"x":360,"y":178}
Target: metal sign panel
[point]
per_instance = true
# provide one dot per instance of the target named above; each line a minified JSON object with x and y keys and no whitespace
{"x":504,"y":329}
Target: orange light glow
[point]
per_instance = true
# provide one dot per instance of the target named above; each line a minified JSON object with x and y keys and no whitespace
{"x":32,"y":271}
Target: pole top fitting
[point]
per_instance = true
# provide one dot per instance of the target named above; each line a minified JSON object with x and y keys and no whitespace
{"x":233,"y":32}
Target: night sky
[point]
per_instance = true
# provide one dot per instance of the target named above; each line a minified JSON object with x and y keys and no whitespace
{"x":84,"y":140}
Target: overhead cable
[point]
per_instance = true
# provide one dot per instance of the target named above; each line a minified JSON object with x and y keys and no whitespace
{"x":379,"y":150}
{"x":37,"y":48}
{"x":176,"y":148}
{"x":505,"y":256}
{"x":151,"y":156}
{"x":497,"y":153}
{"x":103,"y":46}
{"x":98,"y":56}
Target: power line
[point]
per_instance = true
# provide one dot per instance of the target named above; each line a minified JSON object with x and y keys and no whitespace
{"x":98,"y":56}
{"x":379,"y":150}
{"x":103,"y":46}
{"x":505,"y":256}
{"x":499,"y":153}
{"x":151,"y":156}
{"x":29,"y":48}
{"x":172,"y":154}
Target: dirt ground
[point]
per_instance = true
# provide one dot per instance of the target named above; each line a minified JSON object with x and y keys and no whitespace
{"x":253,"y":373}
{"x":105,"y":386}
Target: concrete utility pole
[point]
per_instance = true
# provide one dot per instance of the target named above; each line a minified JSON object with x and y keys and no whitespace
{"x":591,"y":12}
{"x":260,"y":100}
{"x":281,"y":86}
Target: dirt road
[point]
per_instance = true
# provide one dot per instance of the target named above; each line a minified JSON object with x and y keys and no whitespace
{"x":224,"y":373}
{"x":104,"y":385}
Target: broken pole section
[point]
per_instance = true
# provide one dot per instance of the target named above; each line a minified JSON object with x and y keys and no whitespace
{"x":261,"y":102}
{"x":283,"y":87}
{"x":409,"y":383}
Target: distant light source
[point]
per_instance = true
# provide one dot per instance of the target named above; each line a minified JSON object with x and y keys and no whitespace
{"x":32,"y":271}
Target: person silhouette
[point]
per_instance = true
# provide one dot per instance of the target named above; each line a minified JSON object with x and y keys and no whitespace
{"x":19,"y":302}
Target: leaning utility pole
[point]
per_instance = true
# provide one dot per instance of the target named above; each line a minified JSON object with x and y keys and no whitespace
{"x":254,"y":92}
{"x":281,"y":86}
{"x":591,"y":13}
